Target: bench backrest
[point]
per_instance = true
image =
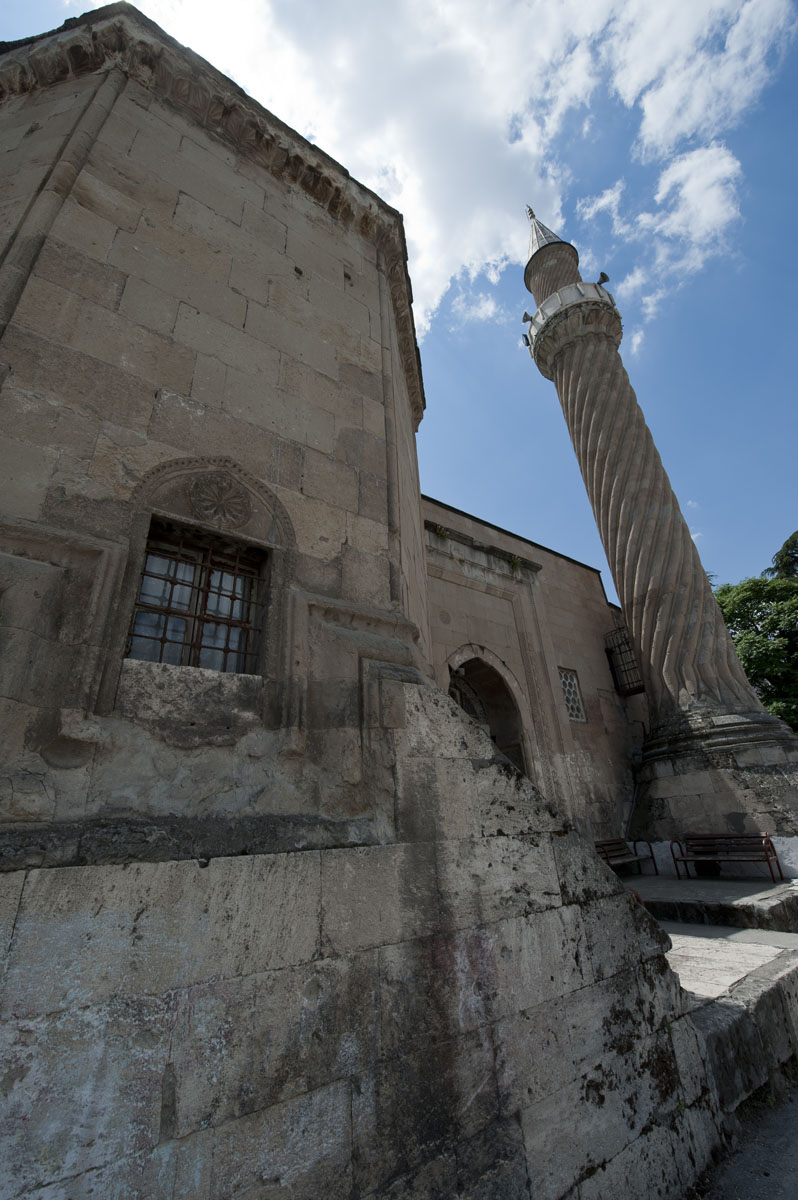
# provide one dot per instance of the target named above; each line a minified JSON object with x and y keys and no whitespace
{"x":715,"y":844}
{"x":609,"y":847}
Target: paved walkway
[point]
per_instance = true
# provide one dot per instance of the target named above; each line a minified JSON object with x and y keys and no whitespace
{"x":710,"y":959}
{"x":765,"y":1164}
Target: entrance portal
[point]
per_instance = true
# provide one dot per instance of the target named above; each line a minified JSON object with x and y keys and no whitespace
{"x":481,"y":692}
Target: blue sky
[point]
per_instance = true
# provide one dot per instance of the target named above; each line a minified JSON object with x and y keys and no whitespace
{"x":660,"y":139}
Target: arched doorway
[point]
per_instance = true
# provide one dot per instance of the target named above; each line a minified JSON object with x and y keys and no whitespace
{"x":481,"y":692}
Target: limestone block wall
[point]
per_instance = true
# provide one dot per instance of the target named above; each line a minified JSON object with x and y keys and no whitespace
{"x":475,"y":1007}
{"x":207,"y":321}
{"x":33,"y":132}
{"x":528,"y":612}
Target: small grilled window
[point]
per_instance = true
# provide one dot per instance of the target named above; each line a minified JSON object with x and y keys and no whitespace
{"x":572,"y":695}
{"x":623,"y":662}
{"x":200,"y":602}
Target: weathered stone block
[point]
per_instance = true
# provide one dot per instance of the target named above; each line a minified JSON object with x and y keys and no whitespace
{"x":320,"y":528}
{"x":67,"y":1073}
{"x":84,"y":230}
{"x":533,"y":1055}
{"x":375,"y":896}
{"x":69,"y":269}
{"x":619,"y":933}
{"x":78,"y":381}
{"x":365,"y":577}
{"x":26,"y":472}
{"x":583,"y":875}
{"x":433,"y":988}
{"x":179,"y":421}
{"x":232,"y":346}
{"x":114,"y":340}
{"x":372,"y":499}
{"x":337,"y":303}
{"x":149,"y":306}
{"x":48,"y":310}
{"x":97,"y":196}
{"x":181,"y":270}
{"x":301,"y":1148}
{"x":303,"y":344}
{"x":490,"y":879}
{"x":649,"y":1166}
{"x":241,"y":1045}
{"x":11,"y":885}
{"x":687,"y":1051}
{"x":417,"y":1106}
{"x":732,"y":1051}
{"x":492,"y":1164}
{"x":222,"y":190}
{"x":541,"y":957}
{"x":111,"y":927}
{"x":325,"y":479}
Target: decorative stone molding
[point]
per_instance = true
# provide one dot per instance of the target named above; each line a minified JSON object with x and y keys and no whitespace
{"x":474,"y":550}
{"x":575,"y":311}
{"x":118,"y":35}
{"x":220,"y":493}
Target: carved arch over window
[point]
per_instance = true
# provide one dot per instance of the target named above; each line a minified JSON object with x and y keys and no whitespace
{"x":217,"y":496}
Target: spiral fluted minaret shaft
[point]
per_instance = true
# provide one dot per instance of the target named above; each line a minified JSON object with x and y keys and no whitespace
{"x":686,"y":655}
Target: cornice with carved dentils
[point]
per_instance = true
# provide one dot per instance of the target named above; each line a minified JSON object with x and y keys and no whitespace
{"x":119,"y":35}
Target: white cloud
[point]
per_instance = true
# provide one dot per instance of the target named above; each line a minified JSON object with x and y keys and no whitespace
{"x":608,"y":201}
{"x":634,"y":282}
{"x":693,"y":504}
{"x":700,"y":189}
{"x":636,"y":339}
{"x":477,"y":306}
{"x":454,"y":111}
{"x":696,"y":203}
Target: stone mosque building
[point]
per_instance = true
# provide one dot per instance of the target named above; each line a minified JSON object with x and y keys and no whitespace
{"x":301,"y":770}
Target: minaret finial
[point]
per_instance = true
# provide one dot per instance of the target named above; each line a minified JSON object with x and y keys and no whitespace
{"x":529,"y":213}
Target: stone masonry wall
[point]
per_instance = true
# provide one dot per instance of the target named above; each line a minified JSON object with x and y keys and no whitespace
{"x":191,"y":315}
{"x":528,"y":612}
{"x":477,"y":1008}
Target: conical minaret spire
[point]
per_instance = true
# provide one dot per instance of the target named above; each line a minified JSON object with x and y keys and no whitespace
{"x":552,"y":262}
{"x":539,"y":234}
{"x":697,"y":692}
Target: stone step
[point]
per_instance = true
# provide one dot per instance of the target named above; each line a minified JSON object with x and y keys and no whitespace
{"x":742,"y":903}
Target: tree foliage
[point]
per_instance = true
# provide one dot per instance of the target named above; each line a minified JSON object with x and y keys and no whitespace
{"x":762,"y":617}
{"x":785,"y":560}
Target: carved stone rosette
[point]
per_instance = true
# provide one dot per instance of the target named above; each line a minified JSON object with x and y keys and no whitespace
{"x":219,"y":499}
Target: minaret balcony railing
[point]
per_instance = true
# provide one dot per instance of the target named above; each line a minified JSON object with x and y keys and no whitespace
{"x":572,"y":293}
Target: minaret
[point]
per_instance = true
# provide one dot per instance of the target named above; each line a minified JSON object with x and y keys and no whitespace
{"x":700,"y":701}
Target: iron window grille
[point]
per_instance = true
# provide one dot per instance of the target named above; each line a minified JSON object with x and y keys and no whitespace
{"x":199,"y":602}
{"x":623,"y":662}
{"x":572,"y":695}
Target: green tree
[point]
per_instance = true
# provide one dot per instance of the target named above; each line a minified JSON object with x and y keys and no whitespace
{"x":785,"y":561}
{"x":762,"y":617}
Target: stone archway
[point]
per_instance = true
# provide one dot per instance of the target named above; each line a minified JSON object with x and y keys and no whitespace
{"x":481,"y":692}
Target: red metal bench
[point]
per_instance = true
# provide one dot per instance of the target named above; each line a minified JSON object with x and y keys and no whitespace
{"x":724,"y":848}
{"x":617,"y":852}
